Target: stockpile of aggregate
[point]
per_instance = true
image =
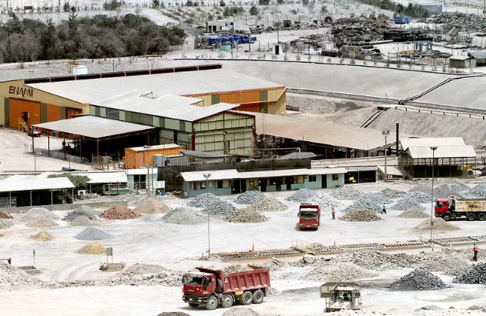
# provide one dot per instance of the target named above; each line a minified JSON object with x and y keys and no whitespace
{"x":42,"y":236}
{"x":324,"y":271}
{"x":444,"y":190}
{"x":438,"y":224}
{"x":267,"y":204}
{"x":81,"y":221}
{"x":360,"y":216}
{"x":119,"y":212}
{"x":347,"y":193}
{"x":479,"y":190}
{"x":475,"y":274}
{"x":37,"y":212}
{"x":5,"y":216}
{"x":83,"y":210}
{"x":393,"y":194}
{"x":5,"y":223}
{"x":424,"y":187}
{"x":42,"y":222}
{"x":142,"y":268}
{"x":369,"y":201}
{"x":92,"y":233}
{"x":153,"y":206}
{"x":212,"y":205}
{"x":249,"y":197}
{"x":418,"y":280}
{"x":173,"y":314}
{"x":311,"y":197}
{"x":241,"y":311}
{"x":184,"y":216}
{"x":246,"y":215}
{"x":94,"y":248}
{"x":236,"y":268}
{"x":412,"y":200}
{"x":413,"y":213}
{"x":12,"y":276}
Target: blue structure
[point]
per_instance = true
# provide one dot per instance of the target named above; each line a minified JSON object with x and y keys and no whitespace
{"x":234,"y":39}
{"x":403,"y":20}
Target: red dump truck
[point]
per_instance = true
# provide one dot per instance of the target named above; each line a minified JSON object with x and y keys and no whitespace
{"x":454,"y":208}
{"x":212,"y":288}
{"x":309,"y":216}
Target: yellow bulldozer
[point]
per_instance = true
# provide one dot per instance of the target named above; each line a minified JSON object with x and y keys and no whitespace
{"x":341,"y":296}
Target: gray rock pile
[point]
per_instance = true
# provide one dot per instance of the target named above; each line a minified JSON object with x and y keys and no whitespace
{"x":479,"y":190}
{"x":444,"y":190}
{"x":347,"y":192}
{"x":246,"y":215}
{"x":311,"y":197}
{"x":475,"y":274}
{"x":393,"y":194}
{"x":360,"y":216}
{"x":141,"y":269}
{"x":203,"y":200}
{"x":173,"y":314}
{"x":42,"y":222}
{"x":249,"y":197}
{"x":418,"y":280}
{"x":412,"y":200}
{"x":236,"y":268}
{"x":83,"y":210}
{"x":478,"y":308}
{"x":369,"y":201}
{"x":268,"y":204}
{"x":324,"y":271}
{"x":424,"y":187}
{"x":5,"y":223}
{"x":241,"y":311}
{"x":184,"y":216}
{"x":81,"y":221}
{"x":302,"y":196}
{"x":38,"y":212}
{"x":212,"y":205}
{"x":11,"y":277}
{"x":438,"y":223}
{"x":92,"y":233}
{"x":413,"y":213}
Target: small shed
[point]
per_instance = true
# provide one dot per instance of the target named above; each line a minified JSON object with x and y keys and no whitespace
{"x":462,"y":62}
{"x":479,"y":56}
{"x":138,"y":157}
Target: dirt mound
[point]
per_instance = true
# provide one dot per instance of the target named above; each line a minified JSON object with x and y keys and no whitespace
{"x":236,"y":268}
{"x":42,"y":236}
{"x":360,"y":216}
{"x":5,"y":216}
{"x":37,"y":212}
{"x":119,"y":212}
{"x":153,"y":206}
{"x":81,"y":221}
{"x":42,"y":222}
{"x":141,"y":269}
{"x":92,"y":233}
{"x":438,"y":224}
{"x":418,"y":280}
{"x":95,"y":248}
{"x":246,"y":215}
{"x":413,"y":213}
{"x":12,"y":276}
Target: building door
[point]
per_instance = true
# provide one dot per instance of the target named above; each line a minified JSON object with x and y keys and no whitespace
{"x":70,"y":112}
{"x":263,"y":185}
{"x":24,"y":109}
{"x":324,"y":181}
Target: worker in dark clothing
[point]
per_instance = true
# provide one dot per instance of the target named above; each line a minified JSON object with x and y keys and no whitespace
{"x":475,"y":250}
{"x":384,"y":209}
{"x":333,"y":213}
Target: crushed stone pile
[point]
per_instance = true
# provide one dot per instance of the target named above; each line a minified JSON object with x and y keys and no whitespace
{"x":173,"y":314}
{"x":119,"y":212}
{"x":38,"y":212}
{"x":83,"y":210}
{"x":424,"y":187}
{"x":12,"y":276}
{"x":212,"y":205}
{"x":302,"y":196}
{"x":246,"y":215}
{"x":5,"y":216}
{"x":184,"y":216}
{"x":153,"y":206}
{"x":411,"y":200}
{"x":475,"y":274}
{"x":463,"y":253}
{"x":393,"y":194}
{"x":477,"y":308}
{"x":413,"y":213}
{"x":418,"y":280}
{"x":236,"y":268}
{"x":444,"y":190}
{"x":249,"y":197}
{"x":81,"y":221}
{"x":438,"y":224}
{"x":92,"y":233}
{"x":42,"y":222}
{"x":479,"y":190}
{"x":5,"y":223}
{"x":267,"y":204}
{"x":42,"y":236}
{"x":241,"y":311}
{"x":311,"y":197}
{"x":347,"y":193}
{"x":94,"y":248}
{"x":369,"y":201}
{"x":141,"y":269}
{"x":203,"y":200}
{"x":273,"y":265}
{"x":323,"y":271}
{"x":360,"y":216}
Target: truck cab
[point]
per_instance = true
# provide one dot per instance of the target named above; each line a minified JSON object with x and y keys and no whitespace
{"x":197,"y":286}
{"x":309,"y":216}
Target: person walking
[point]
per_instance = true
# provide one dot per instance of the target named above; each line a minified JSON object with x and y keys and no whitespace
{"x":475,"y":250}
{"x":383,"y":211}
{"x":333,"y":213}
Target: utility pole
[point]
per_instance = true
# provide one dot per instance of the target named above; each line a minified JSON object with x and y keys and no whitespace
{"x":385,"y":133}
{"x":206,"y":176}
{"x":433,"y":148}
{"x":35,"y":158}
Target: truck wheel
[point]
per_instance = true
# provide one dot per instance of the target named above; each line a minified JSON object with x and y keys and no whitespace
{"x":446,"y":217}
{"x":227,"y":301}
{"x":212,"y":303}
{"x":258,"y":297}
{"x":193,"y":305}
{"x":482,"y":216}
{"x":246,"y":298}
{"x":471,"y":217}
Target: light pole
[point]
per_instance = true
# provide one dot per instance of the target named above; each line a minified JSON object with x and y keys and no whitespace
{"x":35,"y":158}
{"x":433,"y":148}
{"x":385,"y":133}
{"x":206,"y":176}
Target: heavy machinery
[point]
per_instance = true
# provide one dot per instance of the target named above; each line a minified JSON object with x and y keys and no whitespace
{"x":212,"y":288}
{"x":309,"y":216}
{"x":341,"y":296}
{"x":454,"y":208}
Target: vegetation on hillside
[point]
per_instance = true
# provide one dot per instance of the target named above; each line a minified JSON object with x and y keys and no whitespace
{"x":412,"y":10}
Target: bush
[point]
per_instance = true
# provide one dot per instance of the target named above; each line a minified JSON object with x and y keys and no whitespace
{"x":263,"y":2}
{"x":254,"y":10}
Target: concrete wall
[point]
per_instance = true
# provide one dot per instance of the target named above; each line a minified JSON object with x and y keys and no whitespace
{"x":336,"y":183}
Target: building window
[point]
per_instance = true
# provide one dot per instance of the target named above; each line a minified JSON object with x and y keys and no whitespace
{"x":298,"y":179}
{"x":312,"y":178}
{"x":198,"y":185}
{"x":112,"y":114}
{"x":222,"y":184}
{"x":335,"y":177}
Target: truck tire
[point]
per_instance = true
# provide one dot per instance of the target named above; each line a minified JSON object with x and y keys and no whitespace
{"x":446,"y":216}
{"x":193,"y":305}
{"x":258,"y":297}
{"x":212,"y":303}
{"x":471,"y":216}
{"x":246,"y":298}
{"x":482,"y":216}
{"x":227,"y":301}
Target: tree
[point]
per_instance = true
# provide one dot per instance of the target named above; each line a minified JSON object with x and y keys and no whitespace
{"x":254,"y":10}
{"x":280,"y":1}
{"x":155,"y":3}
{"x":323,"y":9}
{"x":305,"y":2}
{"x":80,"y":182}
{"x":263,"y":2}
{"x":66,"y":7}
{"x":222,"y":3}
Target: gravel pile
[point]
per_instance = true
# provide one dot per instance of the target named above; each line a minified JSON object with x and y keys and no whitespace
{"x":37,"y":212}
{"x":42,"y":236}
{"x":236,"y":268}
{"x":119,"y":212}
{"x":475,"y":274}
{"x":83,"y":210}
{"x":324,"y":271}
{"x":267,"y":204}
{"x":412,"y":200}
{"x":347,"y":193}
{"x":393,"y":194}
{"x":241,"y":311}
{"x":153,"y":206}
{"x":246,"y":215}
{"x":302,"y":196}
{"x":424,"y":187}
{"x":413,"y":213}
{"x":12,"y":276}
{"x":5,"y":223}
{"x":477,"y":308}
{"x":438,"y":224}
{"x":212,"y":205}
{"x":369,"y":201}
{"x":445,"y":190}
{"x":184,"y":216}
{"x":141,"y":269}
{"x":418,"y":280}
{"x":249,"y":197}
{"x":479,"y":190}
{"x":273,"y":265}
{"x":360,"y":216}
{"x":42,"y":222}
{"x":5,"y":216}
{"x":81,"y":221}
{"x":92,"y":233}
{"x":173,"y":314}
{"x":95,"y":248}
{"x":203,"y":200}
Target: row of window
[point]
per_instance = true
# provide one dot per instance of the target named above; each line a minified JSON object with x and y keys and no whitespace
{"x":201,"y":185}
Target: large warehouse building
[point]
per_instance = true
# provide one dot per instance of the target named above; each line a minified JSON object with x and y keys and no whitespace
{"x":50,"y":99}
